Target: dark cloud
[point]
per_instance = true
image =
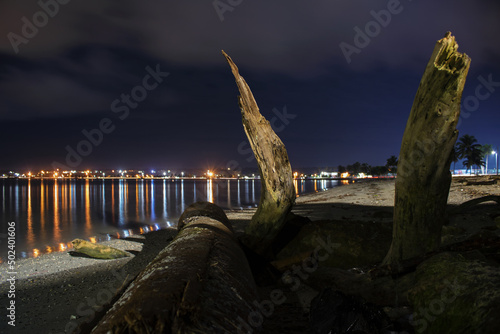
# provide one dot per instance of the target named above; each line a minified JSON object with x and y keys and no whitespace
{"x":90,"y":53}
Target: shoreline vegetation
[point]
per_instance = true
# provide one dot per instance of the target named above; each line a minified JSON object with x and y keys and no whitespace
{"x":55,"y":292}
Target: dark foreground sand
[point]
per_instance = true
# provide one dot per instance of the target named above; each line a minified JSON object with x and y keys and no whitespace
{"x":55,"y":292}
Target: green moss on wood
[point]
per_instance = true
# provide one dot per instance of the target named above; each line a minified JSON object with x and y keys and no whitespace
{"x":97,"y":251}
{"x":456,"y":295}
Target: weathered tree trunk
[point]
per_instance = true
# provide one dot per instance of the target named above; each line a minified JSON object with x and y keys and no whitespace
{"x":200,"y":283}
{"x":277,"y":194}
{"x":423,"y":179}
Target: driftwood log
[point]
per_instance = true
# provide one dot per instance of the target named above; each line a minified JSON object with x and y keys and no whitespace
{"x":473,"y":202}
{"x":277,"y":192}
{"x":423,"y":180}
{"x":200,"y":283}
{"x":97,"y":251}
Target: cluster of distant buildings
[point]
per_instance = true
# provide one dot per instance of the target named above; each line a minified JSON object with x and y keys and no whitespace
{"x":166,"y":174}
{"x":116,"y":173}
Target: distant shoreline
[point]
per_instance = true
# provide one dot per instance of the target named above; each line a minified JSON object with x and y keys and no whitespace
{"x":183,"y":178}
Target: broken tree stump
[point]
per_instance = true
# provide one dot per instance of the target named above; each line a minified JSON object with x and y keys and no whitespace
{"x":278,"y":193}
{"x":423,"y":178}
{"x":200,"y":283}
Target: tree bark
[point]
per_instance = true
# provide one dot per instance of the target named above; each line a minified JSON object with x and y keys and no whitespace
{"x":423,"y":179}
{"x":200,"y":283}
{"x":278,"y":193}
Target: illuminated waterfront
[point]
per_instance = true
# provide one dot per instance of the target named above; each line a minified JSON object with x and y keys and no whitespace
{"x":49,"y":213}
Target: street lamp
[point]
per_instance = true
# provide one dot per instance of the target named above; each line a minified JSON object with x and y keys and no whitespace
{"x":496,"y":158}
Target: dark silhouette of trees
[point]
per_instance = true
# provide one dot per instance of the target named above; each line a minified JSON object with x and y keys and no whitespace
{"x":470,"y":151}
{"x":365,"y":168}
{"x":392,"y":164}
{"x":378,"y":170}
{"x":354,"y":169}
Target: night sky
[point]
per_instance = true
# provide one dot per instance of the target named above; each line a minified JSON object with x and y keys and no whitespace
{"x":73,"y":72}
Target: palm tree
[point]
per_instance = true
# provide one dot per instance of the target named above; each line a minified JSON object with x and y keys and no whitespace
{"x":487,"y":150}
{"x":469,"y":150}
{"x":475,"y":159}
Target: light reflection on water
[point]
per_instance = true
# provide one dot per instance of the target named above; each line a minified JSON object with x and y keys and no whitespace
{"x":49,"y":213}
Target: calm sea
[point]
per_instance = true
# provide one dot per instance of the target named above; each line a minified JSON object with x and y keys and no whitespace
{"x":49,"y":213}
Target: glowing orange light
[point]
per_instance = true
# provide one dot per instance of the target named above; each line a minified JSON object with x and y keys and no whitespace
{"x":36,"y":252}
{"x":62,"y":247}
{"x":92,"y":240}
{"x":49,"y":249}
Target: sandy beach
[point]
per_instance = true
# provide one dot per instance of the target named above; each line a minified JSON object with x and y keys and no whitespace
{"x":56,"y":292}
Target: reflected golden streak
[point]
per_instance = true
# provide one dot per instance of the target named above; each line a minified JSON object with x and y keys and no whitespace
{"x":210,"y":191}
{"x":30,"y":236}
{"x":36,"y":252}
{"x":57,"y":230}
{"x":42,"y":206}
{"x":64,"y":203}
{"x":88,"y":225}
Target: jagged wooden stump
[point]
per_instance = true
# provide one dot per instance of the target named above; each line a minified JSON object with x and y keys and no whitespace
{"x":277,"y":193}
{"x":424,"y":178}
